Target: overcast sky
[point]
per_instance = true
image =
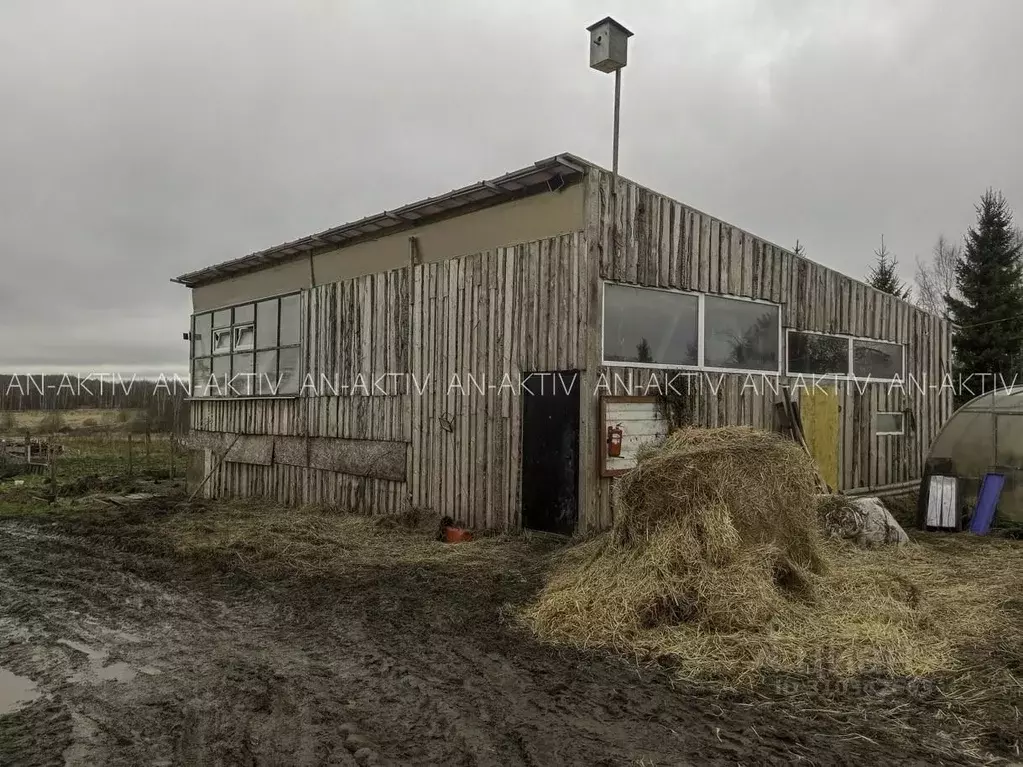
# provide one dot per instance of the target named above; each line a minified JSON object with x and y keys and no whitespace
{"x":140,"y":139}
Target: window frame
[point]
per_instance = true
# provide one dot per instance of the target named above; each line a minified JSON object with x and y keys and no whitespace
{"x":700,"y":334}
{"x":850,"y":356}
{"x":231,"y":329}
{"x":902,"y":424}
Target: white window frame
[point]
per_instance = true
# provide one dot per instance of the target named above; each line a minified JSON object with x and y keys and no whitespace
{"x":850,"y":357}
{"x":700,"y":324}
{"x":234,"y":341}
{"x":215,"y":350}
{"x":902,"y":424}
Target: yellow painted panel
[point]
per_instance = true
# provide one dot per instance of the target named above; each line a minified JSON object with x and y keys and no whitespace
{"x":818,"y":408}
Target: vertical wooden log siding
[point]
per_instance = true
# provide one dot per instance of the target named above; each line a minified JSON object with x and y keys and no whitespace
{"x":651,"y":240}
{"x":458,"y":327}
{"x":483,"y":322}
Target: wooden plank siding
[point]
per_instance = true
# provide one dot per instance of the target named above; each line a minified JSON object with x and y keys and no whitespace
{"x":459,"y":335}
{"x":639,"y":237}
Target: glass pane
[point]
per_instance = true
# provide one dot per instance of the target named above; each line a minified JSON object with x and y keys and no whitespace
{"x":222,"y":374}
{"x":650,"y":326}
{"x":244,"y":337}
{"x":266,"y":324}
{"x":241,"y":374}
{"x":888,"y":423}
{"x":815,"y":354}
{"x":222,"y":318}
{"x":202,"y":368}
{"x":266,"y":372}
{"x":289,"y":381}
{"x":222,"y":341}
{"x":877,"y":359}
{"x":246,"y":313}
{"x":290,"y":325}
{"x":740,"y":334}
{"x":202,"y":343}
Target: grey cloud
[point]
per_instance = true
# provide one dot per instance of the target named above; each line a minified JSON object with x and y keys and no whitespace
{"x":142,"y":139}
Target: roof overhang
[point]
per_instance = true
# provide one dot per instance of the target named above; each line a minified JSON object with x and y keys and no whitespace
{"x":546,"y":175}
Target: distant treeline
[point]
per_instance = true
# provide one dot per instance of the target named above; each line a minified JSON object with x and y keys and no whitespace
{"x":163,"y":399}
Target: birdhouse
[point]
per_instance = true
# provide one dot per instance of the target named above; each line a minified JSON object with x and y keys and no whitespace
{"x":609,"y":43}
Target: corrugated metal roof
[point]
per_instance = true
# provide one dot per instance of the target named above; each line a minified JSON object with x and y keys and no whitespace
{"x":541,"y":175}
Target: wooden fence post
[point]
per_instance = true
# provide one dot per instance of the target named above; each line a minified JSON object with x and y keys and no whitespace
{"x":130,"y":456}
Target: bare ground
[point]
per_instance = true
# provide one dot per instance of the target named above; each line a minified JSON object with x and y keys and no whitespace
{"x":143,"y":657}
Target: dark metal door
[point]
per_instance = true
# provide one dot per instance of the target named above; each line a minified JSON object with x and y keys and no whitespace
{"x":550,"y":451}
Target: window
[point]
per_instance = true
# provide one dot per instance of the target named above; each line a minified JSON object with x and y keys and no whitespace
{"x":248,"y":350}
{"x":889,"y":424}
{"x":741,"y":335}
{"x":824,"y":354}
{"x":650,"y":327}
{"x":877,"y":359}
{"x":817,"y":354}
{"x":667,"y":328}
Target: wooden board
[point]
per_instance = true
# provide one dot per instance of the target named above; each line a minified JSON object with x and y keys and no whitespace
{"x":641,"y":422}
{"x":819,"y":411}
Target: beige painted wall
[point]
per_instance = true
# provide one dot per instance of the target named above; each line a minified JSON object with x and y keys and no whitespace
{"x":531,"y":218}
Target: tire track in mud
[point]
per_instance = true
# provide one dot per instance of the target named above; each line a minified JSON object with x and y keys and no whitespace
{"x":378,"y":669}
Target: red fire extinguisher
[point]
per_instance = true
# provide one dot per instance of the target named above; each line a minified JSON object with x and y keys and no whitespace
{"x":614,"y":441}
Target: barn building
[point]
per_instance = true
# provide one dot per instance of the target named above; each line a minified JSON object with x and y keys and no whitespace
{"x":398,"y":361}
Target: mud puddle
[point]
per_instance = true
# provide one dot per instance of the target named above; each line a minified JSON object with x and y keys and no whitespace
{"x":15,"y":692}
{"x":99,"y":670}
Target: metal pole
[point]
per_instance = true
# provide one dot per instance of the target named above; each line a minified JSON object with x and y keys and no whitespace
{"x":618,"y":104}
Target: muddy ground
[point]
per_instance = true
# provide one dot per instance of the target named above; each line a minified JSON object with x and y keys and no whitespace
{"x":140,"y":657}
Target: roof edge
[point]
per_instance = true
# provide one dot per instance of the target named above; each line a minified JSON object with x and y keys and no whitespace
{"x":512,"y":185}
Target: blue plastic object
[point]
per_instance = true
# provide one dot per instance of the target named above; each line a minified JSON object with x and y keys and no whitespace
{"x":987,"y":500}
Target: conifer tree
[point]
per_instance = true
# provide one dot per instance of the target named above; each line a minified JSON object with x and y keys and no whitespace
{"x":885,"y":276}
{"x":988,"y":312}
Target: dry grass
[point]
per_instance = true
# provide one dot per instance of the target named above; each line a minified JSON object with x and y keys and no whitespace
{"x":270,"y":542}
{"x":716,"y":564}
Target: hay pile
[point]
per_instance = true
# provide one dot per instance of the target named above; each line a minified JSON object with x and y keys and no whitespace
{"x":716,"y":528}
{"x":716,"y":563}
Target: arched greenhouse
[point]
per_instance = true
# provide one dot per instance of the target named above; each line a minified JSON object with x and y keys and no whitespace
{"x":984,"y":436}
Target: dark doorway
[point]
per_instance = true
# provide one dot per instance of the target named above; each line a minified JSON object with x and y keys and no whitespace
{"x":550,"y":451}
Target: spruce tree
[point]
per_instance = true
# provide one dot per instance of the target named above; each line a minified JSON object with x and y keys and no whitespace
{"x":988,"y":313}
{"x":885,"y":276}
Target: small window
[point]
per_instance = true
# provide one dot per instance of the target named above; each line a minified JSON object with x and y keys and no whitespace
{"x":741,"y":335}
{"x":817,"y":354}
{"x":243,"y":314}
{"x":288,"y":371}
{"x":201,"y":335}
{"x":241,"y":374}
{"x":650,"y":327}
{"x":889,"y":424}
{"x":202,"y":369}
{"x":266,"y":324}
{"x":877,"y":360}
{"x":266,"y":372}
{"x":222,"y":376}
{"x":222,"y":319}
{"x":244,"y":338}
{"x":290,"y":322}
{"x":222,"y":341}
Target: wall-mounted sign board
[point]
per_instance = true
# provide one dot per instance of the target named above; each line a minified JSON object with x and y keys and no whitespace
{"x":626,"y":425}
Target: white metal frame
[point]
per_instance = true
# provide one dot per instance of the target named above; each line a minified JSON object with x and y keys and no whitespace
{"x":700,"y":340}
{"x":251,"y":346}
{"x":850,"y":355}
{"x":902,"y":424}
